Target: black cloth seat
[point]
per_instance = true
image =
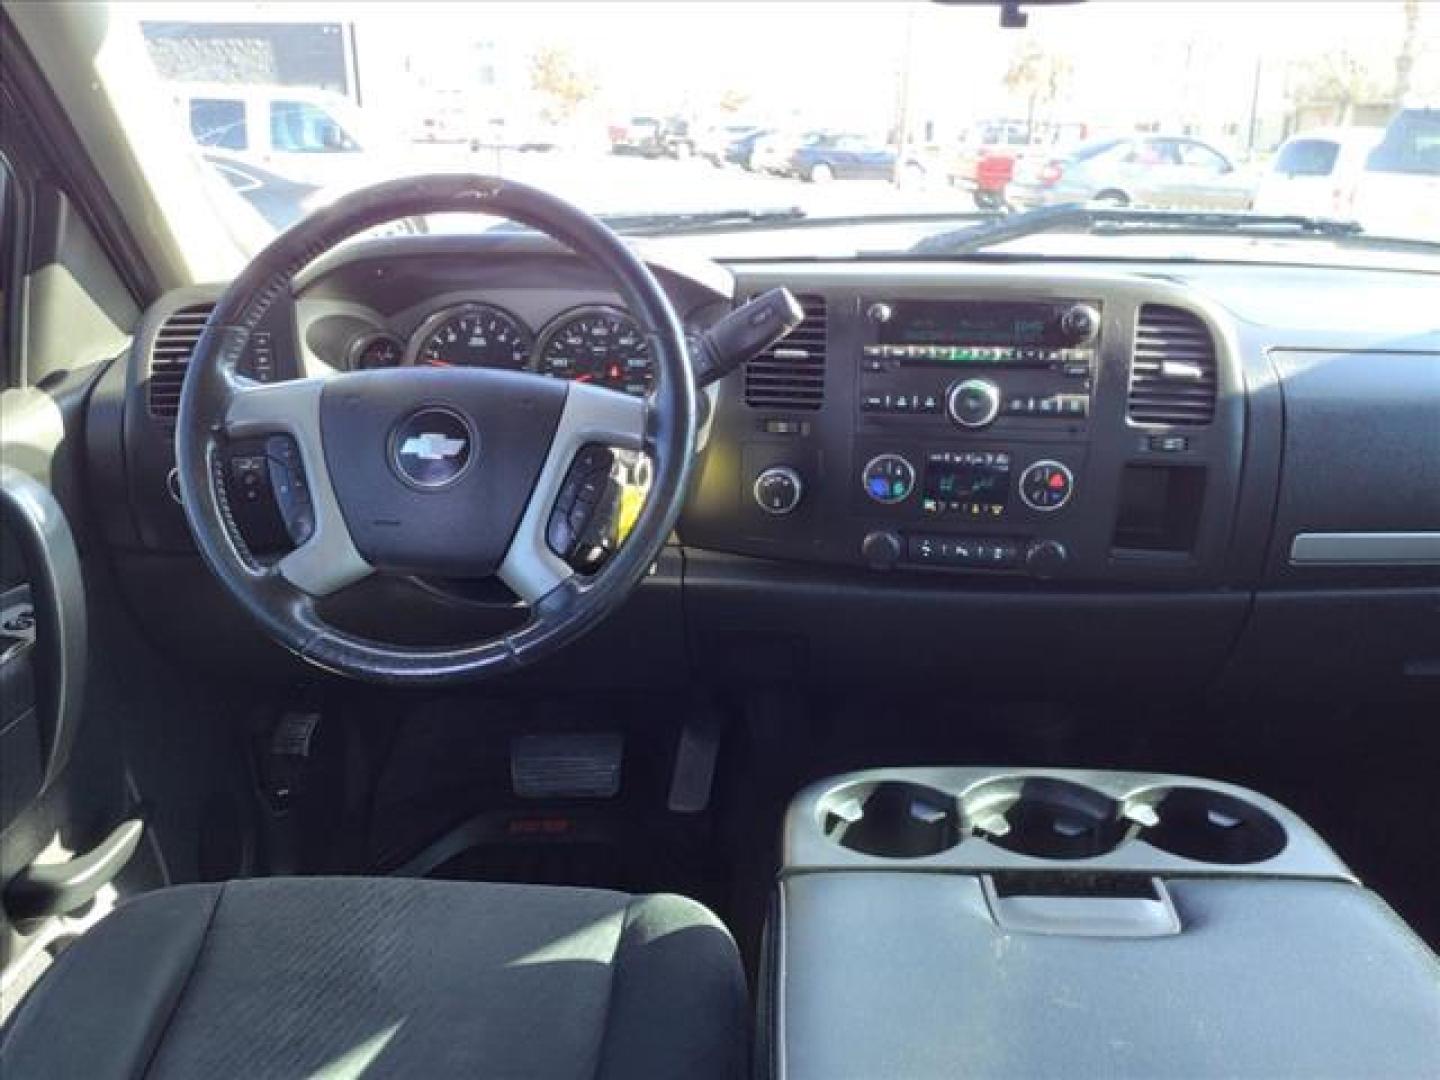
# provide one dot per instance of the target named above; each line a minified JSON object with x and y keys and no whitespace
{"x":360,"y":977}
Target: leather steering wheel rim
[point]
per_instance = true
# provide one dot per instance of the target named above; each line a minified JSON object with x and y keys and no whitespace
{"x":218,"y":404}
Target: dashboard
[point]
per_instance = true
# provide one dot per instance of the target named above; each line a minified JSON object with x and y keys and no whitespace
{"x":1070,"y":472}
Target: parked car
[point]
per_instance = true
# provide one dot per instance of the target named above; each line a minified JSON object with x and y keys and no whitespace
{"x":985,"y":162}
{"x":771,"y":153}
{"x":637,"y":135}
{"x":741,"y":151}
{"x":829,"y":157}
{"x":713,"y":142}
{"x":303,"y":135}
{"x":1143,"y":170}
{"x":1316,"y":172}
{"x":1398,"y":193}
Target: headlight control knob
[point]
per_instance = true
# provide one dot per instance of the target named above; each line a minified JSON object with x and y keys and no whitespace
{"x":778,"y":489}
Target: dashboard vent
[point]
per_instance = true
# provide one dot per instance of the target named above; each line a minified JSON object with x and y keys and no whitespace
{"x":1172,"y":374}
{"x":170,"y":356}
{"x":791,"y":373}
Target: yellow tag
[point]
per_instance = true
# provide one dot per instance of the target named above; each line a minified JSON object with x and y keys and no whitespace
{"x":632,"y":498}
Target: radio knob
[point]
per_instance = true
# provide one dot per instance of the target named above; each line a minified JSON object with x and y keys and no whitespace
{"x":1045,"y":558}
{"x":973,"y":403}
{"x":879,"y":312}
{"x":1080,"y":324}
{"x":882,"y":549}
{"x":778,"y":489}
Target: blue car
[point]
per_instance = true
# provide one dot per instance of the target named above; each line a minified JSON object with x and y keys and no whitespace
{"x":841,"y":157}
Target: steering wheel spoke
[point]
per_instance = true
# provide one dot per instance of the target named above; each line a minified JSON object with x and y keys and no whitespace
{"x":593,"y":416}
{"x":287,"y":414}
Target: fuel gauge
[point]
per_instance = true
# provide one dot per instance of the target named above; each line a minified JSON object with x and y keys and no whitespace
{"x":376,"y":349}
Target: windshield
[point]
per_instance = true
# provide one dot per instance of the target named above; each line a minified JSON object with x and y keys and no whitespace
{"x":774,"y":131}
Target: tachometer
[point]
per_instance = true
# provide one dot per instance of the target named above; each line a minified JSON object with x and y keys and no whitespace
{"x":471,"y":335}
{"x":597,"y":345}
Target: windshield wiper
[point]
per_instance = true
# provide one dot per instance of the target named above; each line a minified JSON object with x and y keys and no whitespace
{"x":684,"y":221}
{"x":1116,"y":220}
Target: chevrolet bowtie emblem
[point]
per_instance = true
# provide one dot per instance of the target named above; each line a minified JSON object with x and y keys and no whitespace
{"x":430,"y":446}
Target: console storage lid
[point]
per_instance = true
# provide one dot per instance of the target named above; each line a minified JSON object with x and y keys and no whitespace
{"x":902,"y":974}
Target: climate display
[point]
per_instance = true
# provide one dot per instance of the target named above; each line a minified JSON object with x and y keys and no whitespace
{"x":971,"y":482}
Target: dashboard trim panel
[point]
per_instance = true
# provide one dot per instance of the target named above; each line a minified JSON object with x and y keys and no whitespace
{"x":1366,"y":549}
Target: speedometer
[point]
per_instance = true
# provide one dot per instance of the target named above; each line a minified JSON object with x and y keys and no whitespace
{"x":471,"y":335}
{"x":597,"y":345}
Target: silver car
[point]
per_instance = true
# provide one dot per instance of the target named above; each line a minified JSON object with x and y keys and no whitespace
{"x":1141,"y":170}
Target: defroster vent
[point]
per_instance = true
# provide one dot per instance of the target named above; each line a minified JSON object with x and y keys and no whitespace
{"x":791,"y":373}
{"x":170,"y":356}
{"x":1173,"y":371}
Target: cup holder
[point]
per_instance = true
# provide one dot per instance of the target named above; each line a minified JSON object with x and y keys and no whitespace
{"x":1207,"y":826}
{"x":891,"y":819}
{"x":1045,"y":818}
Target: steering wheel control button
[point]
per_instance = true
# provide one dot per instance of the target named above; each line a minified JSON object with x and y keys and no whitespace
{"x":432,"y":447}
{"x":778,"y":490}
{"x":973,"y":403}
{"x":1046,"y":486}
{"x":292,"y":493}
{"x":888,"y":479}
{"x":586,"y":497}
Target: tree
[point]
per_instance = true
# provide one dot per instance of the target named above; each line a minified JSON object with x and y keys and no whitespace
{"x":1037,"y":76}
{"x":1405,"y":61}
{"x":556,"y":76}
{"x":1341,"y":79}
{"x":734,"y":100}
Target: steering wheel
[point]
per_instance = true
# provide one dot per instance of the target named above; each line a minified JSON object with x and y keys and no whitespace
{"x":453,"y":472}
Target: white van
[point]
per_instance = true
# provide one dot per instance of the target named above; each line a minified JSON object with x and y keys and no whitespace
{"x":1316,"y":172}
{"x":303,"y":135}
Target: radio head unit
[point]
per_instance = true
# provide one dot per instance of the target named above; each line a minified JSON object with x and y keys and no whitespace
{"x":981,"y":332}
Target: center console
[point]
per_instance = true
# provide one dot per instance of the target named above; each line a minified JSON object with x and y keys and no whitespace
{"x":1087,"y":431}
{"x":976,"y":922}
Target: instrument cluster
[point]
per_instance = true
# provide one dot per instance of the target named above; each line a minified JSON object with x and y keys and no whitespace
{"x":594,"y":343}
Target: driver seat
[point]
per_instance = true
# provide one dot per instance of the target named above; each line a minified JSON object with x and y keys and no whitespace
{"x":380,"y":977}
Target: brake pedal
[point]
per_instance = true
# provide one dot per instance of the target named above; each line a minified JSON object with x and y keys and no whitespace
{"x":572,"y":766}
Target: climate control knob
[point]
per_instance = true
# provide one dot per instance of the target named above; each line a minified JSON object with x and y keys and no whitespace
{"x":888,"y":479}
{"x":973,"y":403}
{"x":880,"y":312}
{"x":778,"y":489}
{"x":1046,"y":486}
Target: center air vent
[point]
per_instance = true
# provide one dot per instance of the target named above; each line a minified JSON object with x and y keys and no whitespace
{"x":1172,"y":374}
{"x":791,"y":373}
{"x":170,"y":356}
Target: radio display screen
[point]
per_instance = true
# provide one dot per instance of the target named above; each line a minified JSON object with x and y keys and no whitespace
{"x":973,"y":322}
